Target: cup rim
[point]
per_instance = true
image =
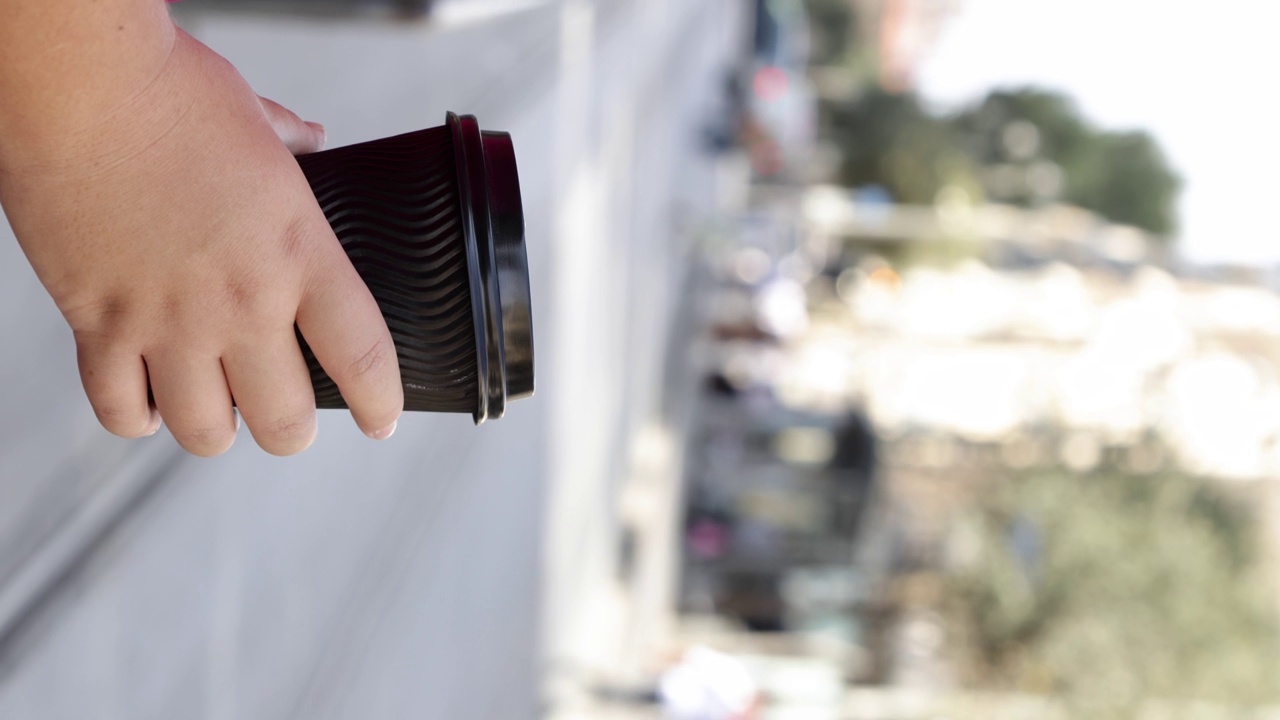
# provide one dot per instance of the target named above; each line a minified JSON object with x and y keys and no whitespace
{"x":493,"y":230}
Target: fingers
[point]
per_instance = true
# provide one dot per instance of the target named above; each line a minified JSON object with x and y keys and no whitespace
{"x":300,"y":137}
{"x":345,"y":329}
{"x":272,"y":389}
{"x":192,"y":396}
{"x":265,"y":373}
{"x":115,"y":381}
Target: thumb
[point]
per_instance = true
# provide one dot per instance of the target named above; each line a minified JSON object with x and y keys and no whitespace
{"x":300,"y":137}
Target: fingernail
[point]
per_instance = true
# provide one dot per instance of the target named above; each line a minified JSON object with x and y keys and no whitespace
{"x":385,"y":432}
{"x":324,"y":134}
{"x":153,"y":426}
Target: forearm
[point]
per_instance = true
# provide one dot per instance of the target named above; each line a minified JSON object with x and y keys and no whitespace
{"x":64,"y":64}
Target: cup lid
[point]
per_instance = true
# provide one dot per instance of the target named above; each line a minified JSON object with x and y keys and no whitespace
{"x":493,"y":226}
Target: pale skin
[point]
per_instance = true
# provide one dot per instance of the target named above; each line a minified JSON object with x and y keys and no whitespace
{"x":156,"y":197}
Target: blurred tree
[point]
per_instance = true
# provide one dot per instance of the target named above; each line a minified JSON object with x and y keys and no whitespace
{"x":1123,"y":176}
{"x":834,"y":29}
{"x":1062,"y":133}
{"x":1108,"y":590}
{"x":890,"y":140}
{"x":1025,"y":146}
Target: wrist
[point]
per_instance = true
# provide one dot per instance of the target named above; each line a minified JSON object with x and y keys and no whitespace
{"x":66,"y":67}
{"x":103,"y":130}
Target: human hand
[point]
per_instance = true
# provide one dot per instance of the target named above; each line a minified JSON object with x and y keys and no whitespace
{"x":182,"y":243}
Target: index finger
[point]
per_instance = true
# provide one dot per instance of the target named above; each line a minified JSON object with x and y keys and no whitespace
{"x":342,"y":324}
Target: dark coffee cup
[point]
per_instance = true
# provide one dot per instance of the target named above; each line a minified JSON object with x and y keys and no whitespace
{"x":432,"y":221}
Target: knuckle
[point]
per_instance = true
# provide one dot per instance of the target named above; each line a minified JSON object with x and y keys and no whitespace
{"x":96,"y":318}
{"x":241,"y":294}
{"x":377,"y":359}
{"x":253,"y":303}
{"x":121,"y":421}
{"x":295,"y":245}
{"x":287,"y":434}
{"x":206,"y":441}
{"x":170,"y":306}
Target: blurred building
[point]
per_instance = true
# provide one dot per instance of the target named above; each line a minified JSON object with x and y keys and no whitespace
{"x":1059,"y":322}
{"x":902,"y":33}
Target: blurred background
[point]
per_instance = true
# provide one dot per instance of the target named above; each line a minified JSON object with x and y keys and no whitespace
{"x":898,"y":360}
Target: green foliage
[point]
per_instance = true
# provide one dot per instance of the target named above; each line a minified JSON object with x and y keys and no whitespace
{"x":833,"y":26}
{"x":1122,"y":176}
{"x":1063,"y":133}
{"x":1144,"y":587}
{"x":893,"y":141}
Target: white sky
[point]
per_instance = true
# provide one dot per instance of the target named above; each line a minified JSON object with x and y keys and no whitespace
{"x":1204,"y":77}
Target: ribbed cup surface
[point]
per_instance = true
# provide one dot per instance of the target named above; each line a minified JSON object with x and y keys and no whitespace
{"x":394,"y":205}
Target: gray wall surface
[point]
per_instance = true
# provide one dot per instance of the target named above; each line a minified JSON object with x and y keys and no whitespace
{"x":437,"y":574}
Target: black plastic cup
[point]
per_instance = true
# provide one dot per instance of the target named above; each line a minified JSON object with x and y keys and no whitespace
{"x":433,"y":223}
